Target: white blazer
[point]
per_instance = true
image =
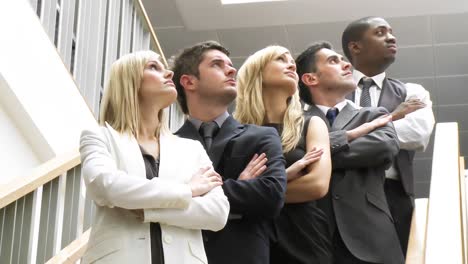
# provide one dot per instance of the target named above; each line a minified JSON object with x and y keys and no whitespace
{"x":114,"y":172}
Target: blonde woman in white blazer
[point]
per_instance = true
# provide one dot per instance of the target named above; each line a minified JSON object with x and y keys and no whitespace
{"x":185,"y":197}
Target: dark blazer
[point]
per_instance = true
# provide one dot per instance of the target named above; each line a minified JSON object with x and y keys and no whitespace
{"x":245,"y":239}
{"x":356,"y":201}
{"x":393,"y":94}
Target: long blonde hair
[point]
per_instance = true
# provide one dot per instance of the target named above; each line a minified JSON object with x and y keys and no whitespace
{"x":119,"y":106}
{"x":249,"y":103}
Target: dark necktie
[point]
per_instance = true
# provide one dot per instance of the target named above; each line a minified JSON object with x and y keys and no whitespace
{"x":331,"y":115}
{"x":365,"y":95}
{"x":207,"y":131}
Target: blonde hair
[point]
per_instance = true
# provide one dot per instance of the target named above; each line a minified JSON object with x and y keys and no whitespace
{"x":119,"y":106}
{"x":249,"y":103}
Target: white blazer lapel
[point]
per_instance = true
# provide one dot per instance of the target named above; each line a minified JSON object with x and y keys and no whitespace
{"x":129,"y":154}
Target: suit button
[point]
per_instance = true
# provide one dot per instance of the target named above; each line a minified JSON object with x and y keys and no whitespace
{"x":336,"y":197}
{"x":168,"y":239}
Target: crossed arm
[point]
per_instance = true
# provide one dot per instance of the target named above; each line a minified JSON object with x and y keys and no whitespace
{"x":312,"y":173}
{"x":165,"y":201}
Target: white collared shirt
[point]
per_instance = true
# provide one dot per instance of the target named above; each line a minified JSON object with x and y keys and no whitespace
{"x":340,"y":107}
{"x":414,"y":131}
{"x":219,"y":120}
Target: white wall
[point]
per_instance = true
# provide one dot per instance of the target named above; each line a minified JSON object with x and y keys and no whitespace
{"x":45,"y":104}
{"x":16,"y":154}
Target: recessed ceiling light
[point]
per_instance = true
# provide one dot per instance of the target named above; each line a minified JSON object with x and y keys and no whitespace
{"x":230,"y":2}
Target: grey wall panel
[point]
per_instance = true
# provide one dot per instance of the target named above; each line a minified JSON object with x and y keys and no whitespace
{"x":451,"y":59}
{"x":301,"y":36}
{"x":452,"y":90}
{"x":413,"y":62}
{"x":454,"y":113}
{"x":421,"y":189}
{"x":464,"y":145}
{"x":450,"y":28}
{"x":422,"y":170}
{"x":410,"y":31}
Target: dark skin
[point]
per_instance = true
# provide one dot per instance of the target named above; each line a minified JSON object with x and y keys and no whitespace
{"x":374,"y":53}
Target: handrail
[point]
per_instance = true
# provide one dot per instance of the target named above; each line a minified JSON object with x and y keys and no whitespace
{"x":463,"y":207}
{"x":39,"y":176}
{"x":72,"y":252}
{"x":444,"y":235}
{"x":417,"y":237}
{"x":145,"y":16}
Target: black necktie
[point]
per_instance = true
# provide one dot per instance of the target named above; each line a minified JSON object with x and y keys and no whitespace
{"x":207,"y":131}
{"x":365,"y":95}
{"x":331,"y":115}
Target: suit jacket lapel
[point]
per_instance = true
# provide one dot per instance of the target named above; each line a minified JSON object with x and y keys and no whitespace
{"x":189,"y":131}
{"x":228,"y":130}
{"x":315,"y":111}
{"x":344,"y":117}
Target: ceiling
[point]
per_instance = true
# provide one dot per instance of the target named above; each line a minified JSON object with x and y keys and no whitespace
{"x":245,"y":28}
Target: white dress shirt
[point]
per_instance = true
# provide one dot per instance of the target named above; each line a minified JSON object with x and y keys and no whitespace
{"x":339,"y":106}
{"x":414,"y":130}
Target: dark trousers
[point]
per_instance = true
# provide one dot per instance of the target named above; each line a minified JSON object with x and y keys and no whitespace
{"x":341,"y":253}
{"x":401,"y":208}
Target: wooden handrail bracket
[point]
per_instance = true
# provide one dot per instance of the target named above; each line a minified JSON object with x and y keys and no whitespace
{"x":72,"y":252}
{"x":39,"y":176}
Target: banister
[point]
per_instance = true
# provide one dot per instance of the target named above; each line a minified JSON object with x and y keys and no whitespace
{"x":72,"y":252}
{"x":417,"y":237}
{"x":444,"y":231}
{"x":39,"y":176}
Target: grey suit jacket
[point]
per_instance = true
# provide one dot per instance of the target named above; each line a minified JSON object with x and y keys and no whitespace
{"x":393,"y":94}
{"x":356,"y":201}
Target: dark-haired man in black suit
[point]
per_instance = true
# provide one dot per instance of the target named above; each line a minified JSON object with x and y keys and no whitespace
{"x":206,"y":86}
{"x":363,"y":144}
{"x":371,"y":47}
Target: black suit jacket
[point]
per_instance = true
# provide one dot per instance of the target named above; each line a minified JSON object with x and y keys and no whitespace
{"x":356,"y":201}
{"x":245,"y":239}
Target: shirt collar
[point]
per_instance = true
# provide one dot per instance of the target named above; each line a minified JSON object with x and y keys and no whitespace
{"x":378,"y":79}
{"x":339,"y":105}
{"x":219,"y":120}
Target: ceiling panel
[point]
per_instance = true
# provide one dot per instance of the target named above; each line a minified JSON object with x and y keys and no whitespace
{"x":242,"y":42}
{"x":211,"y":14}
{"x":174,"y":39}
{"x":301,"y":36}
{"x":163,"y":13}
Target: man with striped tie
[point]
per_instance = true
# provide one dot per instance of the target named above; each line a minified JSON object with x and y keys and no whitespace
{"x":371,"y":47}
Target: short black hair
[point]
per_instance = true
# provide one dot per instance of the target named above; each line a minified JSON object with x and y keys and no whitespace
{"x":305,"y":63}
{"x":354,"y":32}
{"x":187,"y":62}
